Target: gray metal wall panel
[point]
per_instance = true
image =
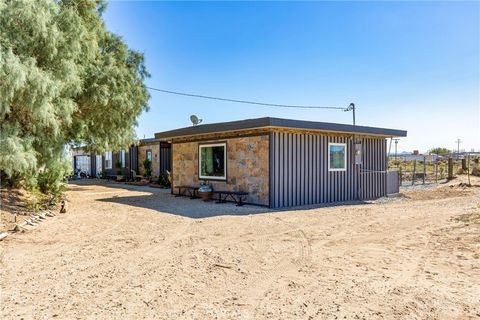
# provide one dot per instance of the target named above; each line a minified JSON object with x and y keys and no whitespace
{"x":372,"y":183}
{"x":315,"y":171}
{"x":324,"y":168}
{"x":294,"y":170}
{"x":165,"y":157}
{"x":93,"y":165}
{"x":299,"y":170}
{"x":301,"y":179}
{"x":270,"y":170}
{"x":281,"y":172}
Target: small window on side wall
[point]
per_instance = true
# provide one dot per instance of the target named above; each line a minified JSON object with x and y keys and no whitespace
{"x":149,"y":155}
{"x":337,"y":157}
{"x":212,"y":161}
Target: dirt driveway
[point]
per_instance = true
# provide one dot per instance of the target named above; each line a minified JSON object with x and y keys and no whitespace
{"x":141,"y":253}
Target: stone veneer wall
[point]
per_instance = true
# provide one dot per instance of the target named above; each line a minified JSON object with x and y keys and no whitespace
{"x":247,"y":166}
{"x":142,"y":154}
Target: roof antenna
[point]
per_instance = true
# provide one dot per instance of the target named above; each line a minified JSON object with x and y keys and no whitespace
{"x":195,"y":120}
{"x":351,"y":107}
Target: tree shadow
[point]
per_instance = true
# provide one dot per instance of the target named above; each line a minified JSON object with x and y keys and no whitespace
{"x":161,"y":200}
{"x":13,"y":201}
{"x":165,"y":202}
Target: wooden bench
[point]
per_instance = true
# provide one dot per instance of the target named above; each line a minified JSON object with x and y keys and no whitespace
{"x":235,"y":196}
{"x":138,"y":177}
{"x":187,"y":191}
{"x":115,"y":177}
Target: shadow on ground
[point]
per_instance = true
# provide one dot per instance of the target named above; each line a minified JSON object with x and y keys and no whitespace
{"x":162,"y":200}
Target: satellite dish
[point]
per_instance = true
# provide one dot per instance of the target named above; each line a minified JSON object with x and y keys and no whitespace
{"x":195,"y":120}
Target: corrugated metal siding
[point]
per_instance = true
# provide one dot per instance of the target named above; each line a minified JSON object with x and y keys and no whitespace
{"x":373,"y":175}
{"x":133,"y":158}
{"x":299,"y":170}
{"x":93,"y":165}
{"x":165,"y":157}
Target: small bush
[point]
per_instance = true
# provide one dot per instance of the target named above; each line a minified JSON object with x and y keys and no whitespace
{"x":118,"y":166}
{"x":163,"y":179}
{"x":52,"y":179}
{"x":147,"y":165}
{"x":476,"y":171}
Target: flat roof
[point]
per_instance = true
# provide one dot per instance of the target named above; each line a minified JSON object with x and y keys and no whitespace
{"x":147,"y":140}
{"x":266,"y":122}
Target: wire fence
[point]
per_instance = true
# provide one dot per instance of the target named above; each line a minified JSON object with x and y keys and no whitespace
{"x":427,"y":169}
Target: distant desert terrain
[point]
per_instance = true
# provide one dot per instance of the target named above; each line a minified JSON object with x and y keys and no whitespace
{"x":137,"y":252}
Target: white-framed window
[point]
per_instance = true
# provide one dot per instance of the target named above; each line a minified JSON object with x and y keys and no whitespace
{"x":122,"y":158}
{"x":149,"y":154}
{"x":337,"y":156}
{"x":83,"y":163}
{"x":108,"y":160}
{"x":212,"y":161}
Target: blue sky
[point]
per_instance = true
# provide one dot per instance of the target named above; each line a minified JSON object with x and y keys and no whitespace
{"x":410,"y":65}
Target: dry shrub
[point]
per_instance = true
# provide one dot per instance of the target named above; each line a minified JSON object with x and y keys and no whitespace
{"x":476,"y":171}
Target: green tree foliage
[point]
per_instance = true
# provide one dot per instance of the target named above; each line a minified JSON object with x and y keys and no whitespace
{"x":64,"y":79}
{"x":439,"y":150}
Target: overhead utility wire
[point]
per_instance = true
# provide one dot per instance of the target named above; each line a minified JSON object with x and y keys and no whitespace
{"x":245,"y":101}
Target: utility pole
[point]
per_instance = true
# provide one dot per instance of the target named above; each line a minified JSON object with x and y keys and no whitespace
{"x":458,"y":141}
{"x":351,"y":107}
{"x":396,"y":143}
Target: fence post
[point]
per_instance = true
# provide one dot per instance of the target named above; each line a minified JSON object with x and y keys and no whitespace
{"x":450,"y":169}
{"x":414,"y":171}
{"x":424,"y":168}
{"x":436,"y":172}
{"x":400,"y":172}
{"x":468,"y":169}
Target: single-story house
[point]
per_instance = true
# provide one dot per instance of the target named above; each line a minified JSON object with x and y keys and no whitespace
{"x":283,"y":162}
{"x":158,"y":152}
{"x":124,"y":162}
{"x":110,"y":163}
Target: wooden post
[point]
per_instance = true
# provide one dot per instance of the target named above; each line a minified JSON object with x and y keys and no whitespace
{"x":464,"y":164}
{"x":400,"y":172}
{"x":436,"y":172}
{"x":424,"y":168}
{"x":450,"y":169}
{"x":468,"y":169}
{"x":414,"y":171}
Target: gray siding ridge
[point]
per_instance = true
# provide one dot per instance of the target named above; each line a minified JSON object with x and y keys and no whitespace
{"x":259,"y":123}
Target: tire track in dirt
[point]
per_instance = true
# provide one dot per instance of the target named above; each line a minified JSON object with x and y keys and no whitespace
{"x":162,"y":251}
{"x":93,"y":237}
{"x":264,"y":282}
{"x":106,"y":227}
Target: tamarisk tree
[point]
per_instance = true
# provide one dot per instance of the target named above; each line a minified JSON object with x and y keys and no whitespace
{"x":64,"y":78}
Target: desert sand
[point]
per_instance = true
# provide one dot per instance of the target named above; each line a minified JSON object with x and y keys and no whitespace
{"x":137,"y":252}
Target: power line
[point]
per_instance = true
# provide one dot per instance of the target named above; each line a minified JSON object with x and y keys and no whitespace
{"x":245,"y":101}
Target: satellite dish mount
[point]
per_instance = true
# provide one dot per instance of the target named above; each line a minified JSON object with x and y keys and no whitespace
{"x":195,"y":120}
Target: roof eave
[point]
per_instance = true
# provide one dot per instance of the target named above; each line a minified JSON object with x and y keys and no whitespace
{"x":263,"y":123}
